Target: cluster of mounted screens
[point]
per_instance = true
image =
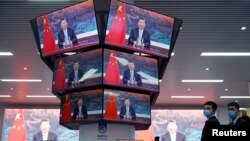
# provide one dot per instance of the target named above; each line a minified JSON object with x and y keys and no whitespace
{"x":115,"y":56}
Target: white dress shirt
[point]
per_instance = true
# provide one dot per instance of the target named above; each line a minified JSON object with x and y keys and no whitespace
{"x":45,"y":136}
{"x":173,"y":137}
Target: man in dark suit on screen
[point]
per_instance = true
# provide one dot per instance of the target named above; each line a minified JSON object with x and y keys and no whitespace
{"x":173,"y":134}
{"x":130,"y":76}
{"x":66,"y":36}
{"x":139,"y":36}
{"x":210,"y":108}
{"x":127,"y":111}
{"x":45,"y":134}
{"x":75,"y":75}
{"x":80,"y":112}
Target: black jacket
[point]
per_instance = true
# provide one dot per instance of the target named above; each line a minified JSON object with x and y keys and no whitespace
{"x":212,"y":121}
{"x":39,"y":136}
{"x":131,"y":111}
{"x":84,"y":112}
{"x":134,"y":35}
{"x":126,"y":77}
{"x":71,"y":34}
{"x":72,"y":76}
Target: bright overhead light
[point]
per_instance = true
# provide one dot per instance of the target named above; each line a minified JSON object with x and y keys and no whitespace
{"x":233,"y":97}
{"x":12,"y":89}
{"x":172,"y":54}
{"x":203,"y":81}
{"x":21,"y":80}
{"x":160,"y":80}
{"x":25,"y":68}
{"x":243,"y":28}
{"x":194,"y":97}
{"x":189,"y":89}
{"x":180,"y":28}
{"x":6,"y":54}
{"x":5,"y":95}
{"x":40,"y":96}
{"x":69,"y":53}
{"x":48,"y":89}
{"x":207,"y":69}
{"x":226,"y":89}
{"x":225,"y":54}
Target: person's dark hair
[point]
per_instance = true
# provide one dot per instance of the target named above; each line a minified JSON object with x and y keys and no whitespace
{"x":235,"y":104}
{"x":131,"y":61}
{"x":126,"y":99}
{"x":141,"y":18}
{"x":44,"y":120}
{"x":63,"y":19}
{"x":171,"y":120}
{"x":213,"y":104}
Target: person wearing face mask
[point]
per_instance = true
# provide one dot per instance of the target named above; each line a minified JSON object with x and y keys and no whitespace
{"x":210,"y":108}
{"x":234,"y":114}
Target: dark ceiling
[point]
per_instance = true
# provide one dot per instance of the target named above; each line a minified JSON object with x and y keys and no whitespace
{"x":209,"y":26}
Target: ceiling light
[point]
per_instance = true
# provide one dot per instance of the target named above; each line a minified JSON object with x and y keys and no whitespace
{"x":243,"y":28}
{"x":40,"y":96}
{"x":225,"y":54}
{"x":21,"y":80}
{"x":12,"y":89}
{"x":25,"y":68}
{"x":207,"y":69}
{"x":180,"y":28}
{"x":5,"y":95}
{"x":194,"y":97}
{"x":48,"y":89}
{"x":160,"y":80}
{"x":6,"y":54}
{"x":233,"y":97}
{"x":226,"y":89}
{"x":189,"y":89}
{"x":172,"y":54}
{"x":69,"y":53}
{"x":203,"y":81}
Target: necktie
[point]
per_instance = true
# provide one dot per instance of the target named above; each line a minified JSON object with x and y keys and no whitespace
{"x":66,"y":37}
{"x":75,"y":78}
{"x":131,"y":75}
{"x":140,"y":36}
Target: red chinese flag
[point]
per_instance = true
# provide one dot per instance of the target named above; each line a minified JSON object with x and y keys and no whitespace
{"x":112,"y":72}
{"x":117,"y":31}
{"x":66,"y":111}
{"x":18,"y":130}
{"x":60,"y":76}
{"x":111,"y":107}
{"x":49,"y":44}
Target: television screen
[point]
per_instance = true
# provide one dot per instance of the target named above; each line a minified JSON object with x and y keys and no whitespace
{"x":124,"y":106}
{"x":79,"y":70}
{"x":67,"y":29}
{"x":27,"y":124}
{"x":129,"y":70}
{"x":82,"y":106}
{"x":134,"y":28}
{"x":186,"y":124}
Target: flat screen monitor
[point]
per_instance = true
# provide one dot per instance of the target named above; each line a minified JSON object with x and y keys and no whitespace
{"x":82,"y":106}
{"x":126,"y":107}
{"x":79,"y":70}
{"x":68,"y":29}
{"x":186,"y":123}
{"x":137,"y":29}
{"x":130,"y":71}
{"x":27,"y":124}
